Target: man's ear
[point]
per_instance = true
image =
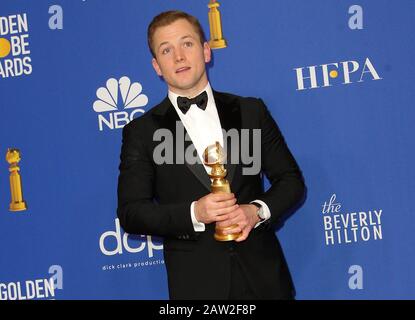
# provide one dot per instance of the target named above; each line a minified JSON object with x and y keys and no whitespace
{"x":156,"y":66}
{"x":207,"y":53}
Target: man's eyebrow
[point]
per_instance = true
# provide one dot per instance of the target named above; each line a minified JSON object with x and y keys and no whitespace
{"x":182,"y":38}
{"x":163,"y":43}
{"x":187,"y":36}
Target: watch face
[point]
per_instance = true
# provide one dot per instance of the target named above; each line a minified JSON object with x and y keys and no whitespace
{"x":261,"y":213}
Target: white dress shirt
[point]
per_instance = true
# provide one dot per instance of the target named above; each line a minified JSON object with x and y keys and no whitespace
{"x":198,"y":123}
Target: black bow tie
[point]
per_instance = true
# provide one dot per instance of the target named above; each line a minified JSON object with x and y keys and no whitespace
{"x":185,"y":103}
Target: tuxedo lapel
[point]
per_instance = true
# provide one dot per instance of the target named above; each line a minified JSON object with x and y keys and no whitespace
{"x":169,"y":119}
{"x":198,"y":169}
{"x":230,"y":118}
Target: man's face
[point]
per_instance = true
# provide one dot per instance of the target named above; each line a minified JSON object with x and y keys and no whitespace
{"x":180,"y":58}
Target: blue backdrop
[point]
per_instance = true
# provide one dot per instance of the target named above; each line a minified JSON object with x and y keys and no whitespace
{"x":336,"y":75}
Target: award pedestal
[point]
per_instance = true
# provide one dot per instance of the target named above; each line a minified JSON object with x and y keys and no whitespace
{"x":216,"y":37}
{"x":214,"y":158}
{"x":17,"y":203}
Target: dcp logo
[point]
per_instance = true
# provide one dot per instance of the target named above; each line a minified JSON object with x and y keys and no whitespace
{"x":121,"y":242}
{"x":108,"y":103}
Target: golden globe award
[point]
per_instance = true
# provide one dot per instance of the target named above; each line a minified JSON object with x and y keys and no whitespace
{"x":214,"y":157}
{"x":216,"y":38}
{"x":17,"y":203}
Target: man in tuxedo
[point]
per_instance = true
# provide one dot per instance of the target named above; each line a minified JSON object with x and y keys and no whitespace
{"x":173,"y":200}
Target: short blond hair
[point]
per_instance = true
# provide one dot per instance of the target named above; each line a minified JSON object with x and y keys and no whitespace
{"x":168,"y":17}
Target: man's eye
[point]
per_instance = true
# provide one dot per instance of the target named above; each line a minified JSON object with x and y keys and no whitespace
{"x":165,"y":51}
{"x":188,"y":44}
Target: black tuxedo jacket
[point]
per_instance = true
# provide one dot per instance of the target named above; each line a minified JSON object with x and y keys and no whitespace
{"x":155,"y":199}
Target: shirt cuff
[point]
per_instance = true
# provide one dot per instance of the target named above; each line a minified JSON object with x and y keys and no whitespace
{"x":267,"y":213}
{"x":197,"y":226}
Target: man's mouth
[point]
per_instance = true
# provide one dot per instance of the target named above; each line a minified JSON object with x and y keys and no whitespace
{"x":182,"y":69}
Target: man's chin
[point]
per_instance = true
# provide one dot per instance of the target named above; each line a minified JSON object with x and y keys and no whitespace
{"x":182,"y":87}
{"x":185,"y":86}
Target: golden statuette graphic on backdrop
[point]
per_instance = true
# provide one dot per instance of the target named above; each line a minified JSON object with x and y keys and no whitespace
{"x":214,"y":157}
{"x":216,"y":37}
{"x":17,"y":203}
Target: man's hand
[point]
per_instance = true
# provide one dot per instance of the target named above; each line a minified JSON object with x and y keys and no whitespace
{"x":244,"y":218}
{"x":215,"y":207}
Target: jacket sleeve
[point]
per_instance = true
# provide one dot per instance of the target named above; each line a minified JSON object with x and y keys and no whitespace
{"x":287,"y":188}
{"x":137,"y":211}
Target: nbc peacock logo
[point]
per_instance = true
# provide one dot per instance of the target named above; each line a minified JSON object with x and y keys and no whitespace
{"x":116,"y":95}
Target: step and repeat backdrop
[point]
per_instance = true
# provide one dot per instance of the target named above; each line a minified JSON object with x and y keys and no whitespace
{"x":338,"y":77}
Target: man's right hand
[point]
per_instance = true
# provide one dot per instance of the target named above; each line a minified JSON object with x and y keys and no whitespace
{"x":215,"y":207}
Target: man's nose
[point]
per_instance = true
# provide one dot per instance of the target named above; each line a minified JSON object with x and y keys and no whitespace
{"x":179,"y":56}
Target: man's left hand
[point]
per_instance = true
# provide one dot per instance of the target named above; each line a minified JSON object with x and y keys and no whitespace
{"x":244,"y":218}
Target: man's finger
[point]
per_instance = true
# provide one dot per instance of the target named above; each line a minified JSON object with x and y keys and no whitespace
{"x":245,"y":234}
{"x":224,"y":204}
{"x":230,"y":221}
{"x":236,"y":229}
{"x":226,"y":210}
{"x":242,"y":237}
{"x":222,"y":196}
{"x":220,"y":218}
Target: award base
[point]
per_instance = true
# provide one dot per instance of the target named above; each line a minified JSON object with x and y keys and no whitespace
{"x":220,"y":236}
{"x":18,"y":206}
{"x":217,"y":43}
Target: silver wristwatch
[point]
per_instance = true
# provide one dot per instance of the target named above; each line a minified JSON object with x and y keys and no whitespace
{"x":260,"y":212}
